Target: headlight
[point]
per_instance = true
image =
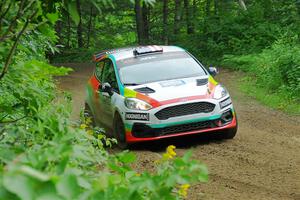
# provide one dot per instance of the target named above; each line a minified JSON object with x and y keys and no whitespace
{"x":220,"y":92}
{"x":136,"y":104}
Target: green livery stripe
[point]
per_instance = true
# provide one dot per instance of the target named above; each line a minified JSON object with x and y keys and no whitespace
{"x":128,"y":127}
{"x":184,"y":122}
{"x":129,"y":93}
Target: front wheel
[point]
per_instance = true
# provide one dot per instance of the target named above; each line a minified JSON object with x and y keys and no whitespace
{"x":119,"y":132}
{"x":229,"y":133}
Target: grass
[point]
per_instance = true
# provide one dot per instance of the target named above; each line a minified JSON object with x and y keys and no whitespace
{"x":278,"y":100}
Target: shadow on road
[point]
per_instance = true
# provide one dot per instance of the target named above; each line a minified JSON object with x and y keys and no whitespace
{"x":183,"y":142}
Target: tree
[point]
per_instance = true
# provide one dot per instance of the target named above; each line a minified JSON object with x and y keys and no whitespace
{"x":165,"y":22}
{"x":146,"y":16}
{"x":79,"y":26}
{"x":189,"y":25}
{"x":139,"y":23}
{"x":90,"y":26}
{"x":177,"y":17}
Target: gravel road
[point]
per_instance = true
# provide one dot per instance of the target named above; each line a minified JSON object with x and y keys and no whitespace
{"x":261,"y":162}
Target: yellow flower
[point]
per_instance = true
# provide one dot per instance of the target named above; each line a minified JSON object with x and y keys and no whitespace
{"x":83,"y":126}
{"x":183,"y":190}
{"x":170,"y":151}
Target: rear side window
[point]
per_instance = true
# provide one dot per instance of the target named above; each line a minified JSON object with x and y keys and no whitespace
{"x":108,"y":75}
{"x":99,"y":69}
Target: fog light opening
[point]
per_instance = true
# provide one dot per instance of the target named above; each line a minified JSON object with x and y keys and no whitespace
{"x":227,"y":117}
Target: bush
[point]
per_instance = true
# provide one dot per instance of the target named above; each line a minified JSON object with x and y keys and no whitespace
{"x":44,"y":155}
{"x":276,"y":68}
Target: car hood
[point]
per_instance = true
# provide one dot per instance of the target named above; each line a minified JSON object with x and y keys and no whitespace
{"x":200,"y":87}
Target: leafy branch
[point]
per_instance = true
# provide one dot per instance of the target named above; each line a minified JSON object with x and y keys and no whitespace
{"x":15,"y":44}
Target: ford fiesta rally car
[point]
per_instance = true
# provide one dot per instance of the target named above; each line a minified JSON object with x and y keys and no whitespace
{"x":152,"y":92}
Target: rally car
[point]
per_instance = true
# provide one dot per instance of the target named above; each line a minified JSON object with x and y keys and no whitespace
{"x":148,"y":93}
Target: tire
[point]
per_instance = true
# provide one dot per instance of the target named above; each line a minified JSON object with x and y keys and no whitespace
{"x":88,"y":114}
{"x":229,"y":133}
{"x":119,"y":132}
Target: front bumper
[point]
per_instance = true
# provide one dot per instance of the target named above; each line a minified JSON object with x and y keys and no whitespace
{"x":154,"y":129}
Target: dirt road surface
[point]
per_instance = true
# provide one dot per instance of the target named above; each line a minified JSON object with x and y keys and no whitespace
{"x":261,"y":162}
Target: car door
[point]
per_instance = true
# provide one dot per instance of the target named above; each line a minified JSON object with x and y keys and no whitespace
{"x":105,"y":100}
{"x":95,"y":83}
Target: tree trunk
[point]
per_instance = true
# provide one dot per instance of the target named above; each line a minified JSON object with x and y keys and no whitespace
{"x":89,"y":26}
{"x":58,"y":30}
{"x":189,"y":26}
{"x":165,"y":22}
{"x":208,"y":8}
{"x":216,"y":7}
{"x":145,"y":14}
{"x":69,"y":30}
{"x":194,"y":16}
{"x":177,"y":17}
{"x":298,"y":6}
{"x":79,"y":26}
{"x":139,"y":22}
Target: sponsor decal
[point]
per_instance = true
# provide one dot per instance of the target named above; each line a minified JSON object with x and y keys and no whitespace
{"x":137,"y":116}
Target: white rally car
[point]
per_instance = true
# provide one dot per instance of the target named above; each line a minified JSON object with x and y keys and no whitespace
{"x":152,"y":92}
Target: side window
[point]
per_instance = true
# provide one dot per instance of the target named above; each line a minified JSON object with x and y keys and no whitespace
{"x":109,"y":76}
{"x":99,"y":69}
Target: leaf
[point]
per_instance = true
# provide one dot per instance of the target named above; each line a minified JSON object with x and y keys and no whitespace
{"x":20,"y":185}
{"x":52,"y":17}
{"x":72,"y":10}
{"x":68,"y":186}
{"x":97,"y":6}
{"x":34,"y":173}
{"x":127,"y":157}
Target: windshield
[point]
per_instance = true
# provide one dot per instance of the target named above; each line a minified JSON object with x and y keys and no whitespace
{"x":158,"y":67}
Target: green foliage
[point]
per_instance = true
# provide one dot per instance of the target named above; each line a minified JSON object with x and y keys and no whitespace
{"x":44,"y":155}
{"x":276,"y":68}
{"x":278,"y":100}
{"x":74,"y":56}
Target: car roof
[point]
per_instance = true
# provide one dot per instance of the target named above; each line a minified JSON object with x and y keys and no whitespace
{"x":128,"y":52}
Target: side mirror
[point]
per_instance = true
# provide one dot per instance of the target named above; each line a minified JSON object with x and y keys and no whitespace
{"x":213,"y":71}
{"x":106,"y":87}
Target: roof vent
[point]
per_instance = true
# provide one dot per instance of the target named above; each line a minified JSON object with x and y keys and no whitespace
{"x":147,"y":50}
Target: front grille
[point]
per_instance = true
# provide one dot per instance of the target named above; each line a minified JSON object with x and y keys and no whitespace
{"x":185,"y":109}
{"x":142,"y":130}
{"x":186,"y":127}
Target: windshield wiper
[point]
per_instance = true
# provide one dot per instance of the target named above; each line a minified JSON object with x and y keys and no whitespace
{"x":131,"y":84}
